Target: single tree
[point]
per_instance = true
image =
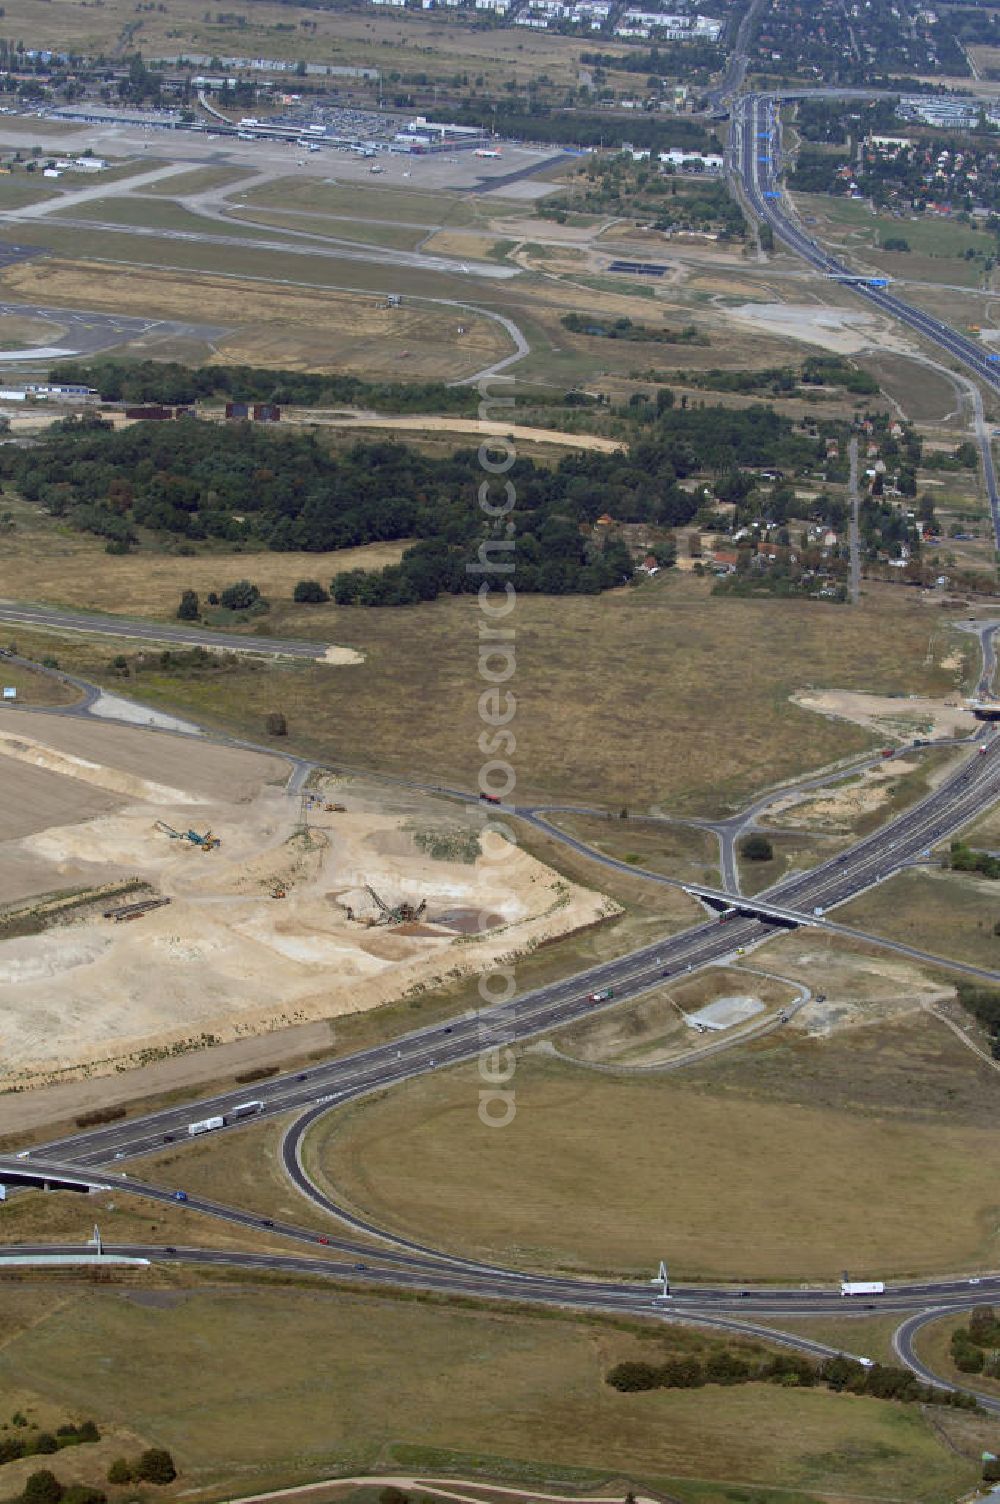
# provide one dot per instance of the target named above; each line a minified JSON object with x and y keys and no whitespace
{"x":42,"y":1487}
{"x":757,"y":848}
{"x":276,"y":724}
{"x":188,"y":608}
{"x":119,"y":1471}
{"x":156,"y":1466}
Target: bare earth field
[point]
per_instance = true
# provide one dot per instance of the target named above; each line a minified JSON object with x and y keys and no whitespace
{"x":225,"y":959}
{"x":666,"y":1024}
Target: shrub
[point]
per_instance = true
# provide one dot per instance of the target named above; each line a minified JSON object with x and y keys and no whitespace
{"x":188,"y":608}
{"x":276,"y":724}
{"x":119,"y":1471}
{"x":257,"y":1073}
{"x":631,"y":1378}
{"x":240,"y":596}
{"x":155,"y":1466}
{"x":45,"y":1444}
{"x":757,"y":848}
{"x":310,"y":593}
{"x":93,"y":1118}
{"x":42,"y":1487}
{"x":82,"y":1493}
{"x":393,"y":1495}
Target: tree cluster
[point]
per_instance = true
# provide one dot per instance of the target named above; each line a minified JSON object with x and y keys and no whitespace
{"x":843,"y":1375}
{"x":155,"y":1465}
{"x":624,"y":328}
{"x":984,"y":1005}
{"x":45,"y":1443}
{"x":818,"y":370}
{"x":976,"y":1348}
{"x":288,"y":491}
{"x":964,"y":858}
{"x":169,"y":384}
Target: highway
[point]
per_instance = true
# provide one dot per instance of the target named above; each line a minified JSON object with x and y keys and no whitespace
{"x":754,"y":153}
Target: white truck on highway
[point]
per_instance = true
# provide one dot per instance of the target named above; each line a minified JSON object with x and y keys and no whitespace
{"x":242,"y":1110}
{"x":862,"y":1287}
{"x":205,"y":1125}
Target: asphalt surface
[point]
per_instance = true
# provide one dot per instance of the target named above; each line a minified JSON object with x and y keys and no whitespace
{"x":300,"y":243}
{"x":83,"y":332}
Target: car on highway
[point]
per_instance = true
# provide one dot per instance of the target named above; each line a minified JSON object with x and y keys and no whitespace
{"x":180,"y":1195}
{"x":602,"y":996}
{"x":266,"y":1222}
{"x":324,"y":1240}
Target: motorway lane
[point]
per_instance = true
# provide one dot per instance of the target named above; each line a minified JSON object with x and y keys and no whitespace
{"x":902,"y":1345}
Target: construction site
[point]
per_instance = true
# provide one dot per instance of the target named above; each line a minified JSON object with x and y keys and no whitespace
{"x":153,"y":902}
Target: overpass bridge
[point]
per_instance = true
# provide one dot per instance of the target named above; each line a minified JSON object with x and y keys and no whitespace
{"x":736,"y":906}
{"x":21,"y":1172}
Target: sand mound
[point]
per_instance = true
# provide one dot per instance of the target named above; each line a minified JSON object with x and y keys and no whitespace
{"x":113,"y":779}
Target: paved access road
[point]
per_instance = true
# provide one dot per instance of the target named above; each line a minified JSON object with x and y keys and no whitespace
{"x":56,"y":619}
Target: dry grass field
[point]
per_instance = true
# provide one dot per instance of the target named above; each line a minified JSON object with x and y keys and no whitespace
{"x":366,"y":203}
{"x":320,"y":330}
{"x":364,"y":231}
{"x":356,"y":1382}
{"x":57,"y":565}
{"x":436,"y":44}
{"x":643,"y":676}
{"x":610,"y":1174}
{"x":35,"y":688}
{"x":947,"y":913}
{"x":677,"y":850}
